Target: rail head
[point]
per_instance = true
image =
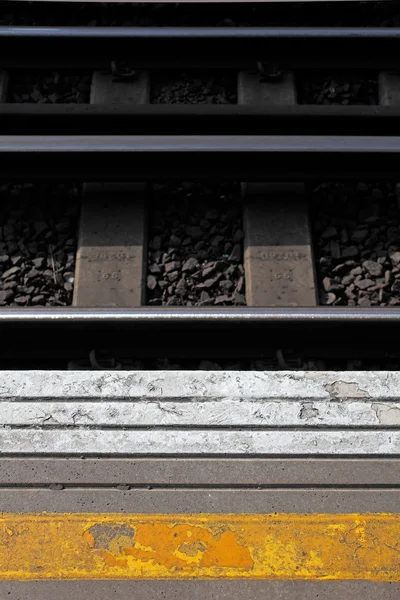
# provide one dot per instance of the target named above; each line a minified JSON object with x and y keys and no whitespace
{"x":199,"y":315}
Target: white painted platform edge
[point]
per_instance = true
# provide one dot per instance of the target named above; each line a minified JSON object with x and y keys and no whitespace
{"x":220,"y":413}
{"x":178,"y":442}
{"x":208,"y":413}
{"x":374,"y":386}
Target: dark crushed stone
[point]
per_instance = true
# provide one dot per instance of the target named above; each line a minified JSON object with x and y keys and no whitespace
{"x":195,"y":246}
{"x":55,"y":87}
{"x":357,"y":244}
{"x":181,"y":87}
{"x":38,"y":226}
{"x":338,"y":89}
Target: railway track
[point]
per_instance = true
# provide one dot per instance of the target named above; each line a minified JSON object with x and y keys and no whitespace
{"x":119,"y":479}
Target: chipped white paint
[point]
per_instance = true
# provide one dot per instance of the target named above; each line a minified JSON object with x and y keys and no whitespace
{"x":209,"y":412}
{"x":176,"y":385}
{"x":199,"y":412}
{"x":194,"y":441}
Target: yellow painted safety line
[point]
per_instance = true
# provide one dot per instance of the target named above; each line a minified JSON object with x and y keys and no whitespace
{"x":200,"y":546}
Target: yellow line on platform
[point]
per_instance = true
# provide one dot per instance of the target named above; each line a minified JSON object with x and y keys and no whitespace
{"x":200,"y":546}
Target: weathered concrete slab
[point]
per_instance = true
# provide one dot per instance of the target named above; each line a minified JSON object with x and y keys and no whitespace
{"x":213,"y":546}
{"x":229,"y":421}
{"x":200,"y":500}
{"x":208,"y":412}
{"x":148,"y":413}
{"x":278,"y":385}
{"x":217,"y":473}
{"x":164,"y":441}
{"x":199,"y":590}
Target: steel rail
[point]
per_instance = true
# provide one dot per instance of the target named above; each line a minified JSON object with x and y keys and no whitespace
{"x":125,"y":158}
{"x":202,"y":144}
{"x":211,"y":47}
{"x":218,"y":317}
{"x":214,"y":119}
{"x":43,"y":334}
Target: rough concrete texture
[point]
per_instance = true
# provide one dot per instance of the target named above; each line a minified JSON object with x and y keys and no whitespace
{"x":198,"y":590}
{"x":166,"y":441}
{"x":255,"y":472}
{"x":200,"y":413}
{"x":204,"y":412}
{"x":123,"y":385}
{"x":200,"y":500}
